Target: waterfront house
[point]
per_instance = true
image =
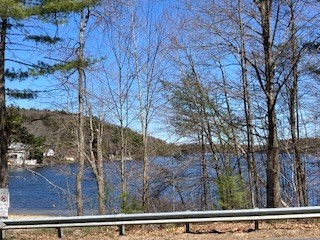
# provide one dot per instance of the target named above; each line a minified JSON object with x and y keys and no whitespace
{"x":49,"y":153}
{"x":18,"y":155}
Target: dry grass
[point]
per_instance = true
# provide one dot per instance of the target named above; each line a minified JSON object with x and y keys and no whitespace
{"x":217,"y":231}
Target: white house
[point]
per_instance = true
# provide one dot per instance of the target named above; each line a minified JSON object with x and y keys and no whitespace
{"x":18,"y":155}
{"x":49,"y":153}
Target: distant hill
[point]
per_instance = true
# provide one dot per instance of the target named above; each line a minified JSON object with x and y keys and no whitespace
{"x":57,"y":131}
{"x":306,"y":145}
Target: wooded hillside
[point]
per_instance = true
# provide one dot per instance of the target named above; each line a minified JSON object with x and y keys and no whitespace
{"x":57,"y":130}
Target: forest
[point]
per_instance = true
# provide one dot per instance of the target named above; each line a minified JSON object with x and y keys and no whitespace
{"x":235,"y":80}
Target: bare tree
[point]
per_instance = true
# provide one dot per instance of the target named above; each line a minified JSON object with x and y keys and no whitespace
{"x":250,"y":154}
{"x":292,"y":88}
{"x":84,"y":18}
{"x":119,"y":82}
{"x":147,"y":36}
{"x":255,"y":38}
{"x":96,"y":158}
{"x":272,"y":78}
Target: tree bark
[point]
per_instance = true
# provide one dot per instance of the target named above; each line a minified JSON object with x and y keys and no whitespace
{"x":123,"y":165}
{"x":273,"y":166}
{"x":96,"y":162}
{"x":81,"y":96}
{"x":3,"y":111}
{"x":100,"y":172}
{"x":250,"y":154}
{"x":204,"y":169}
{"x":299,"y":168}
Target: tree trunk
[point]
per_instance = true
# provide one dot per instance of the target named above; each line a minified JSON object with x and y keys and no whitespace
{"x":204,"y":172}
{"x":145,"y":193}
{"x":96,"y":162}
{"x":299,"y":170}
{"x":143,"y":117}
{"x":100,"y":172}
{"x":81,"y":155}
{"x":250,"y":155}
{"x":81,"y":96}
{"x":123,"y":166}
{"x":273,"y":166}
{"x":3,"y":112}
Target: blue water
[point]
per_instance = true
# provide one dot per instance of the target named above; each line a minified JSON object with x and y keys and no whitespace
{"x":45,"y":190}
{"x":175,"y":184}
{"x":51,"y":189}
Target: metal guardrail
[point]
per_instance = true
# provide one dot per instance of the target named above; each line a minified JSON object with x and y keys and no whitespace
{"x":186,"y":217}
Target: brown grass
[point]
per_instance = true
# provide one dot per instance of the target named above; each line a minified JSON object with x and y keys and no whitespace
{"x":217,"y":231}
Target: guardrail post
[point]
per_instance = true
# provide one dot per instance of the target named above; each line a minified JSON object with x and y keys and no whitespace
{"x":122,"y":230}
{"x":188,"y":228}
{"x":60,"y":233}
{"x":2,"y":234}
{"x":256,"y":225}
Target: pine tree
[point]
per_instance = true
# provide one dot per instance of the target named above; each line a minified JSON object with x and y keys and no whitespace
{"x":13,"y":12}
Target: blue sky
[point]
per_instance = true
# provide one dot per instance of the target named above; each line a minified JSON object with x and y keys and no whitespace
{"x":55,"y":92}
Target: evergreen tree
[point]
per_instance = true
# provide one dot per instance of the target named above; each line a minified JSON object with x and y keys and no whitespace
{"x":13,"y":13}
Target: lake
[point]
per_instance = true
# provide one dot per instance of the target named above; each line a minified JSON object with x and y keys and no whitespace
{"x":51,"y":189}
{"x":175,"y":184}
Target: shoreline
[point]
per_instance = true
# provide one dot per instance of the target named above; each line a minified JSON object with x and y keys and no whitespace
{"x":15,"y":216}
